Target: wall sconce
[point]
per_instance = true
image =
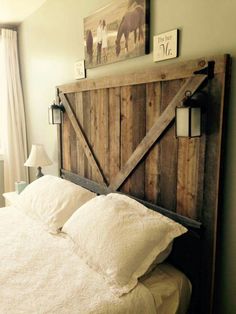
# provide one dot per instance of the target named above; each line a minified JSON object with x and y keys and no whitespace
{"x":55,"y":113}
{"x":189,"y":115}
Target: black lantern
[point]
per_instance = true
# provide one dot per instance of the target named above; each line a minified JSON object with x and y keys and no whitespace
{"x":188,"y":116}
{"x":55,"y":113}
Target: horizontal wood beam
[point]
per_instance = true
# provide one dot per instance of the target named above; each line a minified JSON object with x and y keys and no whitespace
{"x":155,"y":73}
{"x":156,"y":131}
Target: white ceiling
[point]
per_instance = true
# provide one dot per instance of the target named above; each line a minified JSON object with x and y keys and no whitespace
{"x":15,"y":11}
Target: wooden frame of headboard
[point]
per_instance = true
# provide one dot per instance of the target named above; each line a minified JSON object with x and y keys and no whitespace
{"x":118,"y":135}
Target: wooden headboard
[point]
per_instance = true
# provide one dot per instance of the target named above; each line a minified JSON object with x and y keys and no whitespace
{"x":118,"y":134}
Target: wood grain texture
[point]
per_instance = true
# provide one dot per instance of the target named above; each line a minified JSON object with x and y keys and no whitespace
{"x":80,"y":116}
{"x":155,"y":132}
{"x":83,"y":140}
{"x":114,"y":131}
{"x":87,"y":130}
{"x":152,"y":162}
{"x":168,"y":149}
{"x":128,"y":121}
{"x":169,"y":72}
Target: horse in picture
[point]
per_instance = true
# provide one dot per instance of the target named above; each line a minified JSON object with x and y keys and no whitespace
{"x":89,"y":45}
{"x":132,"y":21}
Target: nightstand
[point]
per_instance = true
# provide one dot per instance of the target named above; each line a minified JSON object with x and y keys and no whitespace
{"x":10,"y":198}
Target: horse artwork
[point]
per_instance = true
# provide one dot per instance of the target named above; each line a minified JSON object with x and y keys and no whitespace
{"x":132,"y":21}
{"x":117,"y":32}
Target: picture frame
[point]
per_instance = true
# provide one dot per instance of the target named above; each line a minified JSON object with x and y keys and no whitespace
{"x":165,"y":45}
{"x":79,"y":69}
{"x":117,"y":32}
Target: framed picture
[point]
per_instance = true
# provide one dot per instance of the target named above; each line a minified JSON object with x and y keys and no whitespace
{"x":165,"y":45}
{"x":79,"y":70}
{"x":118,"y":31}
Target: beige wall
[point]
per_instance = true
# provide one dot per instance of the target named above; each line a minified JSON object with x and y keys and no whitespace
{"x":51,"y":40}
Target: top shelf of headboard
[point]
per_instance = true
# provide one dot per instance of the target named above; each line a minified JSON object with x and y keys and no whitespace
{"x":157,"y":73}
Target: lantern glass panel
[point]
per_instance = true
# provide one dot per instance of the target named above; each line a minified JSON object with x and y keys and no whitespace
{"x":56,"y":116}
{"x":195,"y":121}
{"x":182,"y":121}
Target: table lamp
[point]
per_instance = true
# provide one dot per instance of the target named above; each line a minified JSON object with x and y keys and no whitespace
{"x":38,"y":158}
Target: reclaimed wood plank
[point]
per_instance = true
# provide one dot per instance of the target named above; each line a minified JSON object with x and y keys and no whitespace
{"x":188,"y":172}
{"x":152,"y":164}
{"x":126,"y":132}
{"x":87,"y":130}
{"x":80,"y":117}
{"x":168,"y":151}
{"x":102,"y":136}
{"x":155,"y":73}
{"x":114,"y":131}
{"x":137,"y":178}
{"x":82,"y":139}
{"x":155,"y":132}
{"x":72,"y":138}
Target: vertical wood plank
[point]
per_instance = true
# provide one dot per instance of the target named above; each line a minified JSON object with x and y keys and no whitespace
{"x":87,"y":129}
{"x":66,"y":161}
{"x":80,"y":118}
{"x":168,"y":151}
{"x":72,"y":138}
{"x":189,"y":159}
{"x":94,"y":126}
{"x":152,"y":163}
{"x":114,"y":131}
{"x":102,"y":138}
{"x":126,"y":131}
{"x":139,"y":130}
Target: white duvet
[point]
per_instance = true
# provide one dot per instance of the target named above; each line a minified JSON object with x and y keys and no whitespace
{"x":40,"y":273}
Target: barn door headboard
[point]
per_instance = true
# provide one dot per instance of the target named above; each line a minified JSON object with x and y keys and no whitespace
{"x":118,"y":134}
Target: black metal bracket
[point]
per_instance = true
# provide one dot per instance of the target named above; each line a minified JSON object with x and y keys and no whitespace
{"x":209,"y":70}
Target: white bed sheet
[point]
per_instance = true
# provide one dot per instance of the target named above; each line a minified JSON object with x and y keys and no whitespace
{"x":41,"y":274}
{"x":170,"y":288}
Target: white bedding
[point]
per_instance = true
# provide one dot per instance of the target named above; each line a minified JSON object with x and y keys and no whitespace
{"x":170,"y":288}
{"x":40,"y":273}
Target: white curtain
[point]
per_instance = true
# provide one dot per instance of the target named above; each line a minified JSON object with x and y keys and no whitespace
{"x":13,"y":128}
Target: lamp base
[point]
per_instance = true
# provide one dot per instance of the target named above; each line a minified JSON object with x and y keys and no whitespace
{"x":39,"y":173}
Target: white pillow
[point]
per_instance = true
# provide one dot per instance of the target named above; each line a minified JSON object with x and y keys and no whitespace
{"x":120,"y":238}
{"x":52,"y":200}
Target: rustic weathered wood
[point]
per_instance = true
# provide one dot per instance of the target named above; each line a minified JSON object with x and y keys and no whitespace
{"x":114,"y":131}
{"x":87,"y":130}
{"x":80,"y":116}
{"x":83,"y":140}
{"x":137,"y":178}
{"x":155,"y":132}
{"x":215,"y":109}
{"x":126,"y":132}
{"x":101,"y":189}
{"x":72,"y":137}
{"x":189,"y":176}
{"x":102,"y":136}
{"x":168,"y":151}
{"x":66,"y":158}
{"x":152,"y":164}
{"x":153,"y":74}
{"x":178,"y":173}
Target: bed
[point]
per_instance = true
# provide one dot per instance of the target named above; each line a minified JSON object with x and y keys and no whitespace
{"x":41,"y":271}
{"x":117,"y":145}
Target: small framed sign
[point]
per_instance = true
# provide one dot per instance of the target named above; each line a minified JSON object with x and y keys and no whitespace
{"x":79,"y":70}
{"x":165,"y":45}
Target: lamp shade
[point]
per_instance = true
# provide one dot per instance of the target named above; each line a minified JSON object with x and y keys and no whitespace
{"x":38,"y":157}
